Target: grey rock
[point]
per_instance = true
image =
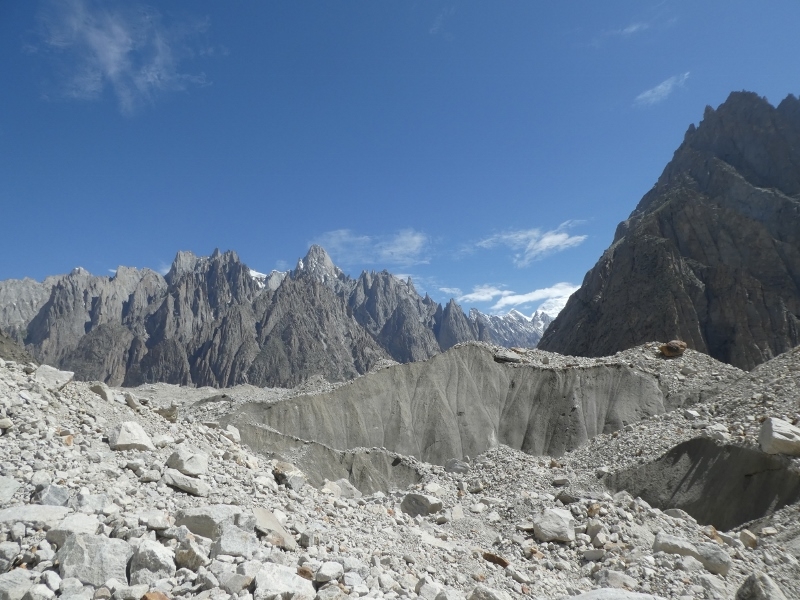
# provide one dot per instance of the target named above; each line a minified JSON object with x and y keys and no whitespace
{"x":456,"y":466}
{"x":420,"y":505}
{"x":94,"y":559}
{"x":52,"y":495}
{"x":102,"y":390}
{"x":37,"y":514}
{"x":612,"y":594}
{"x":75,"y":524}
{"x":554,"y":524}
{"x":274,"y":581}
{"x":779,"y":437}
{"x":8,"y":487}
{"x":267,"y":524}
{"x":39,"y":592}
{"x":131,"y":592}
{"x":714,"y":557}
{"x":329,"y":571}
{"x":190,"y":555}
{"x":207,"y":521}
{"x":759,"y":586}
{"x":129,"y":436}
{"x":52,"y":378}
{"x":482,"y":592}
{"x":188,"y":461}
{"x":190,"y":485}
{"x":15,"y":584}
{"x":233,"y":541}
{"x":150,"y":562}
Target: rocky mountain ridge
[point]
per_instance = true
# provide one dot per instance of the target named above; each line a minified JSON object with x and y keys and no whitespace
{"x":213,"y":321}
{"x":711,"y":255}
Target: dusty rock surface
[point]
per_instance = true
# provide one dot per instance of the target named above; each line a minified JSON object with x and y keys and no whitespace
{"x":475,"y":537}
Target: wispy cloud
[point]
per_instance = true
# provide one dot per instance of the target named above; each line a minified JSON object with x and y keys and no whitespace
{"x":438,"y":22}
{"x":406,"y":247}
{"x":560,"y":292}
{"x":118,"y":46}
{"x":554,"y":297}
{"x":163,"y":267}
{"x":451,"y":291}
{"x":532,"y":244}
{"x":662,"y":91}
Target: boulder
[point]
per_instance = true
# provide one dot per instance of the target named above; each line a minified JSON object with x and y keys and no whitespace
{"x":151,"y":561}
{"x":75,"y":524}
{"x":289,"y":475}
{"x":233,"y":541}
{"x":207,"y":521}
{"x":329,"y":571}
{"x":612,"y":594}
{"x":39,"y":592}
{"x":15,"y":584}
{"x":554,"y":525}
{"x":760,"y":586}
{"x":191,"y":555}
{"x":52,"y":495}
{"x":190,"y":485}
{"x":102,"y":390}
{"x":188,"y":461}
{"x":713,"y":557}
{"x":129,"y":435}
{"x":8,"y":487}
{"x":39,"y":515}
{"x":482,"y":592}
{"x":420,"y":505}
{"x":51,"y":378}
{"x":779,"y":437}
{"x":94,"y":559}
{"x":268,"y":524}
{"x":279,"y":581}
{"x":673,"y":348}
{"x":456,"y":466}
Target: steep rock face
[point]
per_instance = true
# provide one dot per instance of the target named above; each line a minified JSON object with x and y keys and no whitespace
{"x":712,"y":253}
{"x":306,"y":330}
{"x":396,"y":315}
{"x":513,"y":329}
{"x":462,"y":402}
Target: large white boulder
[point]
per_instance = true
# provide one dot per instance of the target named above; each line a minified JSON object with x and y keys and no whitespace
{"x":188,"y":461}
{"x":129,"y":435}
{"x":52,"y":378}
{"x":94,"y":559}
{"x":554,"y":525}
{"x":779,"y":437}
{"x":279,"y":581}
{"x":151,"y":561}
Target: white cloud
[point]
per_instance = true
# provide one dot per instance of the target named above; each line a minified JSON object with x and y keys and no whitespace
{"x":633,"y":28}
{"x":555,"y":295}
{"x":163,"y":268}
{"x":662,"y":91}
{"x":454,"y":292}
{"x":117,"y":46}
{"x":533,"y":244}
{"x":406,"y":247}
{"x":483,"y":293}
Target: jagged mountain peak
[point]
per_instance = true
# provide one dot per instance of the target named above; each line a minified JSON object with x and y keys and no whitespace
{"x":317,"y":263}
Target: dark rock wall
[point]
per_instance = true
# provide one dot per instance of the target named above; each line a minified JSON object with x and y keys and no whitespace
{"x":711,"y":255}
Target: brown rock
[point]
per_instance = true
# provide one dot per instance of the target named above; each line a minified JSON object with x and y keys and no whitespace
{"x":673,"y":348}
{"x":494,"y":558}
{"x":155,"y":596}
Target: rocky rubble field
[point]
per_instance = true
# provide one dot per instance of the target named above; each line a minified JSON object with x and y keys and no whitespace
{"x":119,"y":493}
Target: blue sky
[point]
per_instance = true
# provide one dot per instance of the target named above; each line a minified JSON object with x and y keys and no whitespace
{"x":487,"y":149}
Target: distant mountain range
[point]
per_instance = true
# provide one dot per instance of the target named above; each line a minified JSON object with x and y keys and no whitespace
{"x":214,"y":321}
{"x":711,"y":254}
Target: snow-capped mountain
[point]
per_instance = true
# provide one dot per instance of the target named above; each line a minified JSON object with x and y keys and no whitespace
{"x":512,"y":329}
